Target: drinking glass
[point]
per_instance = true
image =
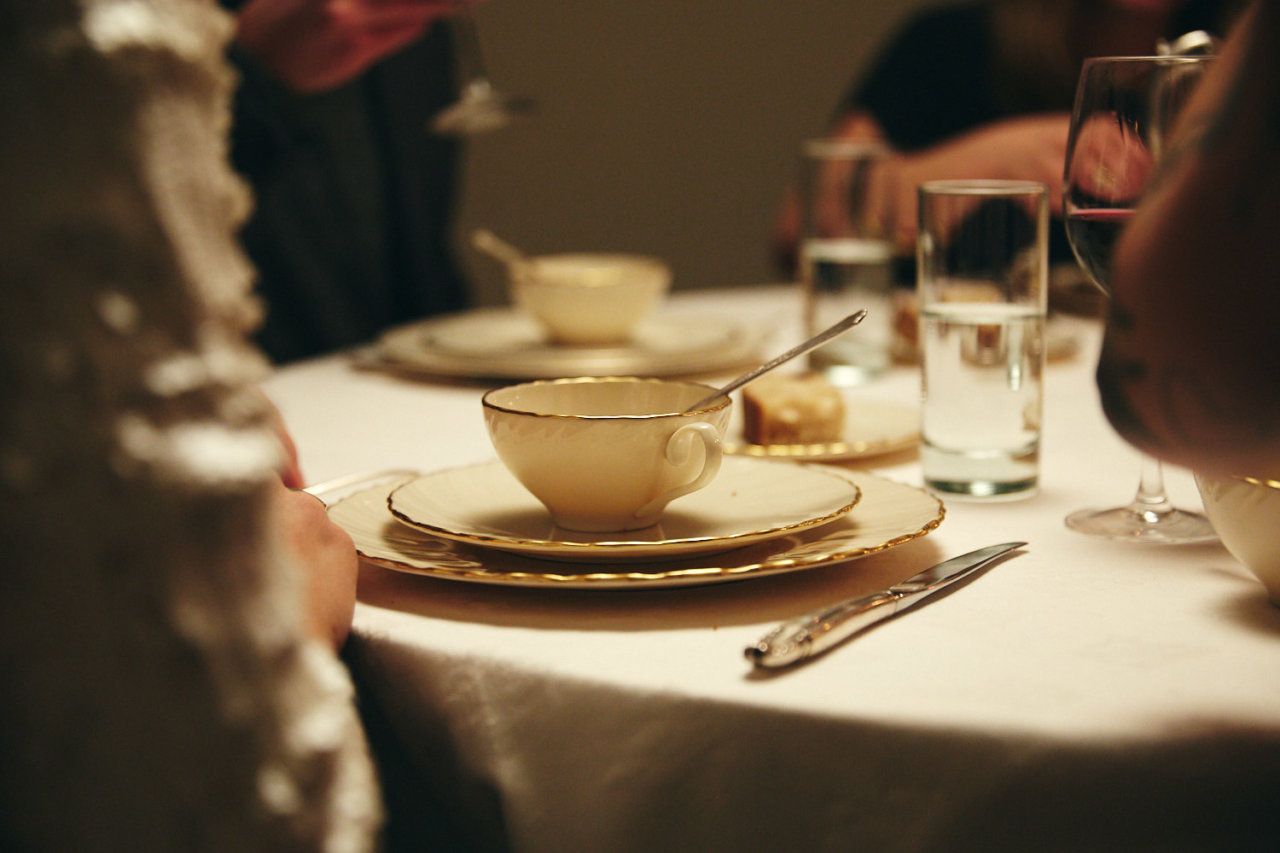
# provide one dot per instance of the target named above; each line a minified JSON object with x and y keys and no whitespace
{"x":1124,"y":109}
{"x":846,"y":255}
{"x":983,"y":274}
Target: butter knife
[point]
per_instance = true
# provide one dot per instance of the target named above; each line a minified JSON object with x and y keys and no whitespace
{"x":800,"y":638}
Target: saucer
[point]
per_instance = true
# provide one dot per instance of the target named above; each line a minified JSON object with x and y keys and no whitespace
{"x":507,"y":344}
{"x":871,"y":428}
{"x":889,"y":514}
{"x":750,"y":500}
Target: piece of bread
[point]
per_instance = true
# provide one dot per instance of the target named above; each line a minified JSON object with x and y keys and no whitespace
{"x":792,"y":409}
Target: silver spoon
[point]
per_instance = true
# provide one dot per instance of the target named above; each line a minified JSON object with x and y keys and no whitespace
{"x":480,"y":107}
{"x":817,"y":340}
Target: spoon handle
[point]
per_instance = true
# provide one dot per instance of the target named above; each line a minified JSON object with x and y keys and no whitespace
{"x":817,"y":340}
{"x":494,"y":246}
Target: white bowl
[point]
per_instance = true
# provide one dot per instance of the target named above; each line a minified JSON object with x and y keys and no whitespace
{"x":1245,"y":512}
{"x":590,"y":299}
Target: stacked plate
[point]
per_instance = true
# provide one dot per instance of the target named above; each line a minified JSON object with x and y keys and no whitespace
{"x":758,"y":518}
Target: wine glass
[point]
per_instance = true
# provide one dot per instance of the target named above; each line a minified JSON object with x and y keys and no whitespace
{"x":1124,"y":109}
{"x":480,"y":107}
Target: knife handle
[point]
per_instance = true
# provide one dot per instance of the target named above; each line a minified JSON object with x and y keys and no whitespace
{"x":809,"y":635}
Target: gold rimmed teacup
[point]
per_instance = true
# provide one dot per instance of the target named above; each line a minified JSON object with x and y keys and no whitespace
{"x":607,"y":454}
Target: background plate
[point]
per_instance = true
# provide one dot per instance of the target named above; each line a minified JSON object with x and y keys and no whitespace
{"x":871,"y":428}
{"x":501,"y":343}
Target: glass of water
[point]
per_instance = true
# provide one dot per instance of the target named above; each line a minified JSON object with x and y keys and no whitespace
{"x":846,"y":254}
{"x":982,"y":260}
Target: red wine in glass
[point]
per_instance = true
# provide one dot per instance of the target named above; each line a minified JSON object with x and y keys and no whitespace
{"x":1093,"y":233}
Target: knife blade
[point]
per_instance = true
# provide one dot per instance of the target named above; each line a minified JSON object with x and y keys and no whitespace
{"x":797,"y":639}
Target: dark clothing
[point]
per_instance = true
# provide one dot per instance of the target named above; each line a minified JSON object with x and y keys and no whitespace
{"x":353,"y":199}
{"x":934,"y":81}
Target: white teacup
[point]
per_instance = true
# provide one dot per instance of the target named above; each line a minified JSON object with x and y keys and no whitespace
{"x":589,"y":299}
{"x":607,"y":454}
{"x":1245,"y":512}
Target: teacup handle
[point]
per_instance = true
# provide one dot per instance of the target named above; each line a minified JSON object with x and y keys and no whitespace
{"x":679,"y":446}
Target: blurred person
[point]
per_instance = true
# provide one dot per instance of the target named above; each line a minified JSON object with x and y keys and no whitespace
{"x":354,"y":197}
{"x":984,"y":90}
{"x":171,"y":606}
{"x":1189,"y":370}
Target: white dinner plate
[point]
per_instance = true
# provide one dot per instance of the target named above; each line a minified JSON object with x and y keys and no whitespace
{"x":888,"y":514}
{"x":504,"y":343}
{"x":871,"y":428}
{"x":750,"y":500}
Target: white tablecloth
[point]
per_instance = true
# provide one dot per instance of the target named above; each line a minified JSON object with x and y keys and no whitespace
{"x":1086,"y":694}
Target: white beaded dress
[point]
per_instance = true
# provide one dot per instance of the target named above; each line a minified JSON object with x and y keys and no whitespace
{"x":159,"y":692}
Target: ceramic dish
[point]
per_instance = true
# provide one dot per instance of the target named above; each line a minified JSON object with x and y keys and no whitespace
{"x":751,"y":500}
{"x":587,"y":298}
{"x":872,"y":428}
{"x":506,"y":344}
{"x":889,"y":514}
{"x":1245,"y":511}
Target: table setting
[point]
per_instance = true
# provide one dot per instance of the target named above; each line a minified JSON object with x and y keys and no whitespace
{"x":609,"y":705}
{"x":587,"y":468}
{"x":595,"y":612}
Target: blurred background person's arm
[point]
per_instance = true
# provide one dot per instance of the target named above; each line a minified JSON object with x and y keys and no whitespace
{"x":984,"y":90}
{"x":312,"y":45}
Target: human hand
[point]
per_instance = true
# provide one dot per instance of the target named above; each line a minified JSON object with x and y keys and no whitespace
{"x":313,"y":45}
{"x":1110,"y":163}
{"x":290,"y":468}
{"x":1027,"y":148}
{"x":327,"y":557}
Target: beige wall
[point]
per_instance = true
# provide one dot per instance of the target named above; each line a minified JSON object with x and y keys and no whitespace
{"x":667,"y":127}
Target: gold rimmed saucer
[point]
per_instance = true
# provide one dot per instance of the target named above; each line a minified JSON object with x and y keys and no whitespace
{"x":871,"y":428}
{"x":889,"y":514}
{"x":749,"y":501}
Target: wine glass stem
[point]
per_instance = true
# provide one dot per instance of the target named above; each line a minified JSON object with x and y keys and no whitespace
{"x":464,"y":25}
{"x":1151,"y":502}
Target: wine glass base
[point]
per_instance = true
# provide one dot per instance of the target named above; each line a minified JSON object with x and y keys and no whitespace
{"x":1129,"y":523}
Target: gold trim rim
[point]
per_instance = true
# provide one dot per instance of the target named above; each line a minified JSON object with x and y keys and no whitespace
{"x":722,"y":402}
{"x":1263,"y":482}
{"x":821,"y":451}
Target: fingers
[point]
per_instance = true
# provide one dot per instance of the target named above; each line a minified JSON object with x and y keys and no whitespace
{"x":327,"y":557}
{"x":290,"y":469}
